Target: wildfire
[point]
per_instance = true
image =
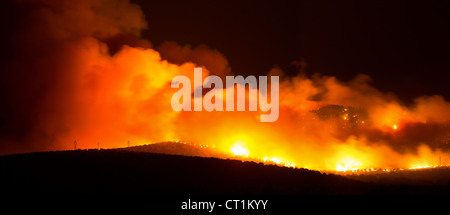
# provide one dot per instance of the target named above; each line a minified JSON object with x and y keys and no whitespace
{"x":239,"y":150}
{"x":113,"y":96}
{"x":278,"y":161}
{"x":348,"y":163}
{"x":422,"y":167}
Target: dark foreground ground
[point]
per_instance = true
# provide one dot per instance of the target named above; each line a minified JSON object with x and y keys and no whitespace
{"x":131,"y":172}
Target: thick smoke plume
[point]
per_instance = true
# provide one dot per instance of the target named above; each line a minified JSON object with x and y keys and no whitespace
{"x":79,"y":70}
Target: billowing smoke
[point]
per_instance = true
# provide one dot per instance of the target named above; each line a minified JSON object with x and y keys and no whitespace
{"x":79,"y":70}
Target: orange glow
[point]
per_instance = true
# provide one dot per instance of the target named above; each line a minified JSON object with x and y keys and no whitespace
{"x":238,"y":149}
{"x":115,"y":96}
{"x":421,"y":167}
{"x":348,"y":163}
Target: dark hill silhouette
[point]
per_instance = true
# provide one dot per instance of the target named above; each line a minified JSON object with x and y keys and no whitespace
{"x":125,"y":172}
{"x":426,"y":176}
{"x":176,"y":148}
{"x":187,"y":149}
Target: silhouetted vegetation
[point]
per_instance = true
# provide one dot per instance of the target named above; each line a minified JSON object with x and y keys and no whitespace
{"x":176,"y":148}
{"x":126,"y":172}
{"x":426,"y":176}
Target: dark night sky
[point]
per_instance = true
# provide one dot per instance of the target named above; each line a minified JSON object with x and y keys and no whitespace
{"x":403,"y":45}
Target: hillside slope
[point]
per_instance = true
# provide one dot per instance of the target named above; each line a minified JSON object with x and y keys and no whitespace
{"x":125,"y":172}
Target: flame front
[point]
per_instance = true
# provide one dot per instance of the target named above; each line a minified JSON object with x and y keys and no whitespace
{"x":238,"y":149}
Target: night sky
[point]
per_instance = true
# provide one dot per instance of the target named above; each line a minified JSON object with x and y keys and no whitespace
{"x":403,"y":45}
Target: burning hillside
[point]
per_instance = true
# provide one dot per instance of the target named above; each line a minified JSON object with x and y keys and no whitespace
{"x":86,"y":74}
